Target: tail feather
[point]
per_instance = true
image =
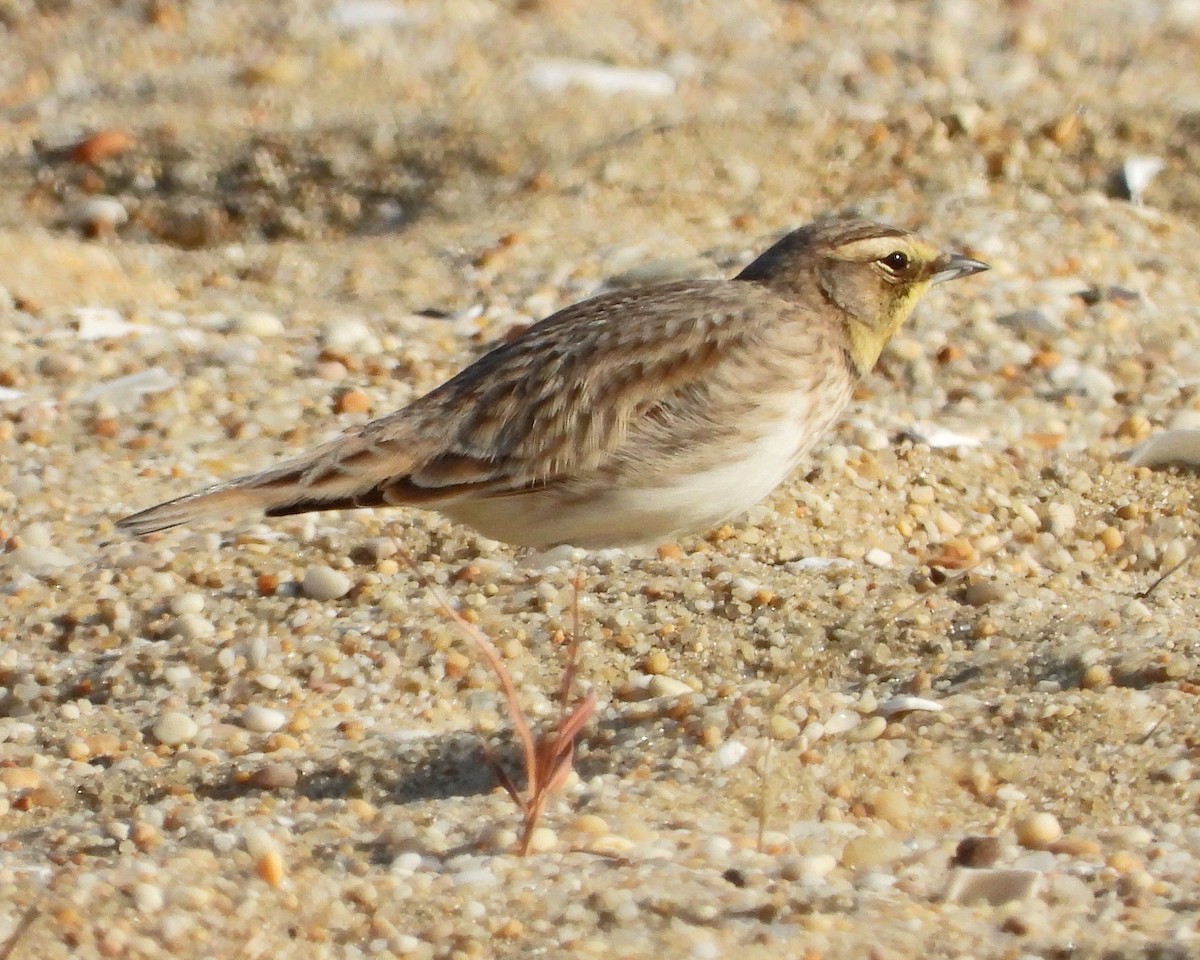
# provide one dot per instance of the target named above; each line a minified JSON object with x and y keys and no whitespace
{"x":213,"y":502}
{"x":332,"y":478}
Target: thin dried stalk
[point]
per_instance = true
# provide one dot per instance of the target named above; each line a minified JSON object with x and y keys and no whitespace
{"x":547,"y":758}
{"x":766,"y":793}
{"x":1188,"y":558}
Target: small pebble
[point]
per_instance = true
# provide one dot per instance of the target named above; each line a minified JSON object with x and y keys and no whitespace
{"x":1038,"y":830}
{"x":351,"y":401}
{"x":185,"y":603}
{"x":976,"y":852}
{"x":148,"y":898}
{"x":981,"y":594}
{"x":101,"y":214}
{"x":270,"y":867}
{"x":871,"y":728}
{"x":174,"y":728}
{"x":869,"y":851}
{"x":663,"y":686}
{"x":263,"y":719}
{"x":656,"y":663}
{"x":891,"y":806}
{"x":783,"y":727}
{"x":542,"y":840}
{"x":730,"y":754}
{"x":816,"y":866}
{"x":275,"y":776}
{"x":259,"y":324}
{"x":325,"y":583}
{"x":843,"y":721}
{"x":20,"y":778}
{"x":193,"y":627}
{"x":102,"y":145}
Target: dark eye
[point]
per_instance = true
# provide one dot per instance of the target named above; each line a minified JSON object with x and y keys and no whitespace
{"x":896,"y":262}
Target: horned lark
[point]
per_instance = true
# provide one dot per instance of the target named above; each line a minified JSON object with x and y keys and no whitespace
{"x":631,"y":418}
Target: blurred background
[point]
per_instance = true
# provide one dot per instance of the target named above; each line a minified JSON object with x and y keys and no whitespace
{"x":567,"y":124}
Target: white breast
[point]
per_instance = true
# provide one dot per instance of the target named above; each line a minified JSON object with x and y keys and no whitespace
{"x":685,"y":502}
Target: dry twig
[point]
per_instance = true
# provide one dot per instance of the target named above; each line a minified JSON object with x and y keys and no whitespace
{"x":546,"y":757}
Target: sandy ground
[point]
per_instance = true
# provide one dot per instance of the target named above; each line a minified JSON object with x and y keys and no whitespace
{"x":912,"y":706}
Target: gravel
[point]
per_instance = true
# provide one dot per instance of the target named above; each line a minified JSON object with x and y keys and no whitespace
{"x":914,"y":705}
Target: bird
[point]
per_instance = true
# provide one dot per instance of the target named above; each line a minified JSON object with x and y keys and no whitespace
{"x":632,"y":418}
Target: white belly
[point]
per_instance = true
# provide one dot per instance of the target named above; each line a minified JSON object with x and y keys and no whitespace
{"x":628,"y":516}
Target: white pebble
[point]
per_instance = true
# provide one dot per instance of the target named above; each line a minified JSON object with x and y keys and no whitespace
{"x":542,"y":840}
{"x":148,"y":898}
{"x":101,"y":213}
{"x":259,"y":324}
{"x":174,"y":728}
{"x":406,"y":863}
{"x":325,"y":583}
{"x":1061,"y":518}
{"x":878,"y":558}
{"x":349,"y":334}
{"x":817,"y":865}
{"x":872,"y":438}
{"x":476,"y":878}
{"x":842,"y":721}
{"x":870,"y":729}
{"x":664,"y":686}
{"x":192,"y":627}
{"x":178,"y":675}
{"x":730,"y":754}
{"x":263,"y":719}
{"x":187,"y":603}
{"x":37,"y":535}
{"x":744,"y":590}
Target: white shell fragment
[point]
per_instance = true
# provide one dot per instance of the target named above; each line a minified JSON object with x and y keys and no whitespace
{"x":1168,"y":448}
{"x":124,"y":391}
{"x":940,"y":438}
{"x":555,"y":75}
{"x":102,"y":323}
{"x":8,"y":393}
{"x":1138,"y":171}
{"x":895,"y":706}
{"x":817,"y":563}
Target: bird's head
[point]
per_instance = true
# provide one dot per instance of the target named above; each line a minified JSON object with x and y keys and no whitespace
{"x":870,"y":274}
